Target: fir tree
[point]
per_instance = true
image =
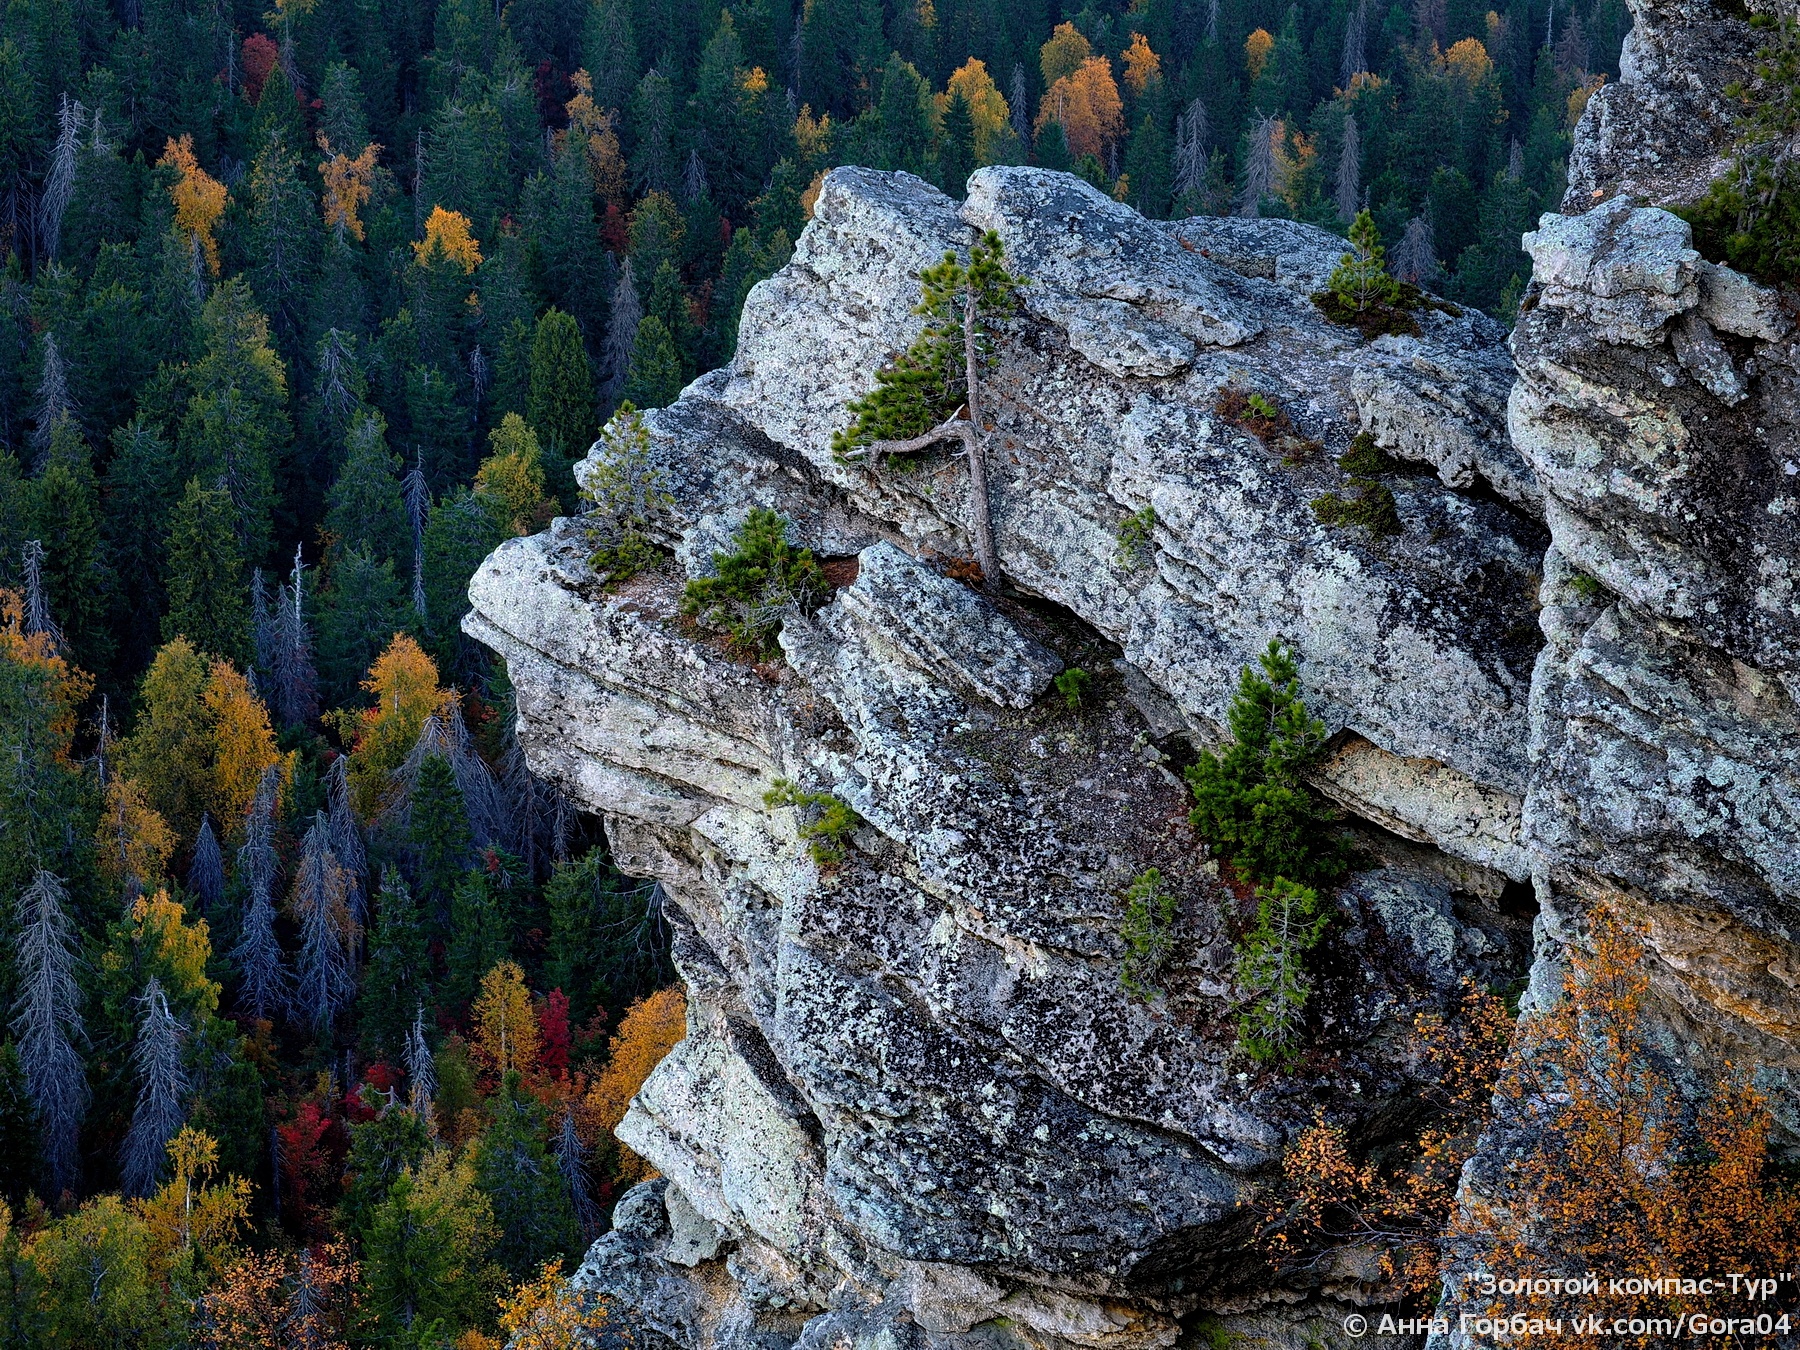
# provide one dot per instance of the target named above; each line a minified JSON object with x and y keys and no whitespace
{"x":206,"y":873}
{"x":1348,"y":193}
{"x":162,"y":1093}
{"x":65,"y":516}
{"x":421,"y":1073}
{"x":524,"y":1185}
{"x":59,"y":184}
{"x":283,"y":238}
{"x":366,"y":506}
{"x":359,"y":615}
{"x":480,"y":926}
{"x":571,"y":1161}
{"x":54,"y":402}
{"x":560,"y":406}
{"x":20,"y":1157}
{"x":296,"y":692}
{"x":207,"y":600}
{"x":47,"y":1024}
{"x":396,"y":982}
{"x":263,"y":984}
{"x":621,"y":332}
{"x":140,"y":493}
{"x":326,"y":979}
{"x":346,"y":838}
{"x":438,"y":831}
{"x":957,"y":156}
{"x":653,"y":377}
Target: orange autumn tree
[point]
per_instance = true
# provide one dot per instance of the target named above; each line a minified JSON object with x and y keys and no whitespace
{"x":1142,"y":65}
{"x":549,"y":1313}
{"x":67,"y":686}
{"x":448,"y":237}
{"x":651,"y":1028}
{"x":606,"y":163}
{"x":132,"y":839}
{"x":349,"y":182}
{"x":1329,"y":1199}
{"x":1256,"y":51}
{"x":404,"y":683}
{"x":1623,"y":1172}
{"x":243,"y":740}
{"x":1087,"y":105}
{"x":199,"y":199}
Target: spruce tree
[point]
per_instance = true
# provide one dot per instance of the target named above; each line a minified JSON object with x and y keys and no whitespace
{"x":140,"y":495}
{"x":20,"y":1157}
{"x":283,"y":238}
{"x":296,"y":682}
{"x":523,"y":1183}
{"x":560,"y":405}
{"x":206,"y":873}
{"x":326,"y":978}
{"x":480,"y":926}
{"x":163,"y":1086}
{"x":957,"y":142}
{"x":208,"y":604}
{"x":438,"y":832}
{"x":653,"y":378}
{"x":264,"y":988}
{"x":365,"y":507}
{"x":65,"y":516}
{"x":396,"y":983}
{"x":47,"y":1024}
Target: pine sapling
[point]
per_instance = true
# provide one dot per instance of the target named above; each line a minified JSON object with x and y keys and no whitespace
{"x":1271,"y":969}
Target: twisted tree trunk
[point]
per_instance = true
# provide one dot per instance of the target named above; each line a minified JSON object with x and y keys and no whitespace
{"x":963,"y":425}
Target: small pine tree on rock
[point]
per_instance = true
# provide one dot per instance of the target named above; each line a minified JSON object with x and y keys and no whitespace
{"x":1251,"y":800}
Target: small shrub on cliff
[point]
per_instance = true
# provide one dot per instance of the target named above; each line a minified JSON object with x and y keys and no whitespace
{"x":1148,"y":934}
{"x":1750,"y":219}
{"x":1371,"y":506}
{"x":1251,"y":802}
{"x":1135,"y":534}
{"x":1071,"y":684}
{"x":755,"y":585}
{"x":1328,"y":1199}
{"x":826,"y":820}
{"x":1271,"y":968}
{"x":625,"y":488}
{"x":1617,"y":1170}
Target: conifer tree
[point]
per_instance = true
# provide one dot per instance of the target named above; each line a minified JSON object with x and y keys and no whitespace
{"x":560,"y":405}
{"x":326,"y":979}
{"x":417,"y":496}
{"x":571,"y":1161}
{"x":20,"y":1157}
{"x":621,"y":332}
{"x":366,"y":505}
{"x":206,"y":873}
{"x":207,"y":600}
{"x":59,"y":183}
{"x":140,"y":492}
{"x":263,"y":983}
{"x":346,"y":838}
{"x":54,"y":401}
{"x":438,"y":831}
{"x":65,"y":516}
{"x":161,"y":1110}
{"x":653,"y":377}
{"x":421,"y":1073}
{"x":283,"y":238}
{"x":1348,"y":194}
{"x":47,"y":1023}
{"x":296,"y":692}
{"x":396,"y":982}
{"x":364,"y":607}
{"x":480,"y":926}
{"x":524,"y":1185}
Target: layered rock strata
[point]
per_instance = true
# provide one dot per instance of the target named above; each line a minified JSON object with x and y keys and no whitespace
{"x":915,"y":1102}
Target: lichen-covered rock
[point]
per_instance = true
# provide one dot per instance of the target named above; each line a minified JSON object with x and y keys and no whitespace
{"x":916,"y":1103}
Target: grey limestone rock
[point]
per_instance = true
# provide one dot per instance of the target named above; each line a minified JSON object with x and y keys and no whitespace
{"x":915,"y":1106}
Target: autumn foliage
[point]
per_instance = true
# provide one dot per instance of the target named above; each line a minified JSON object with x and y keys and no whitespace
{"x":1617,"y":1169}
{"x":199,"y":198}
{"x":650,"y":1029}
{"x":1086,"y":104}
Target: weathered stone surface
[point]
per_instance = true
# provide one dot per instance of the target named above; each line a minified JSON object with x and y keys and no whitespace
{"x":1623,"y":270}
{"x":915,"y":1103}
{"x":1663,"y":130}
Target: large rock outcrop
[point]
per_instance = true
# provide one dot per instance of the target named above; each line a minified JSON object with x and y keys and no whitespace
{"x":915,"y":1107}
{"x":915,"y":1102}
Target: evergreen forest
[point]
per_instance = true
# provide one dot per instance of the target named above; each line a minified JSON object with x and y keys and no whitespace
{"x":320,"y":1009}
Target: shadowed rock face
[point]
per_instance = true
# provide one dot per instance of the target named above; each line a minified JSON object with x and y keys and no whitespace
{"x":914,"y":1098}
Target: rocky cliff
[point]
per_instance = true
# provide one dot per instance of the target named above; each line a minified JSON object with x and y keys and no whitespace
{"x":915,"y":1106}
